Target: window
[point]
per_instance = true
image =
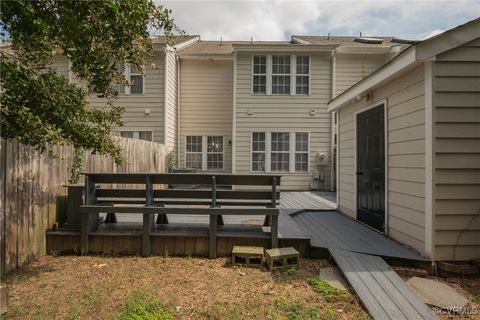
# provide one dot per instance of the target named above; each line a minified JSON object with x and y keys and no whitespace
{"x":280,"y":74}
{"x":301,"y":152}
{"x":142,"y":135}
{"x":280,"y":151}
{"x":258,"y":151}
{"x":215,"y":153}
{"x":194,"y":152}
{"x":259,"y":85}
{"x":136,"y":81}
{"x":120,"y":88}
{"x":303,"y":75}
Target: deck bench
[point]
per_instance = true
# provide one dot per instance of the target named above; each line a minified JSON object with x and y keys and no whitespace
{"x":209,"y":200}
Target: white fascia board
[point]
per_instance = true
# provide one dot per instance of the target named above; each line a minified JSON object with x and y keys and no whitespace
{"x":207,"y":57}
{"x":282,"y":47}
{"x":364,"y":50}
{"x":389,"y":70}
{"x":300,"y":40}
{"x":448,"y":40}
{"x":186,"y":43}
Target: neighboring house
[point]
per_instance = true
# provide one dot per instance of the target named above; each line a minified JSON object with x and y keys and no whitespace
{"x":247,"y":106}
{"x":409,"y":141}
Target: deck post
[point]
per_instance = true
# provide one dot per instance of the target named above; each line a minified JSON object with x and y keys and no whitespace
{"x":212,"y":237}
{"x":214,"y":200}
{"x":88,"y":222}
{"x":274,"y":231}
{"x":148,"y":219}
{"x":273,"y":204}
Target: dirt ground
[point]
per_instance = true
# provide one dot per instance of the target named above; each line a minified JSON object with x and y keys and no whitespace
{"x":89,"y":287}
{"x":94,"y":287}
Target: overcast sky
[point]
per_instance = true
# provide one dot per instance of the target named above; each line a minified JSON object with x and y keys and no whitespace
{"x":277,"y":20}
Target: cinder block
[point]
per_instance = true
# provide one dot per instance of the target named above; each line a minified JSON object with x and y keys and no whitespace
{"x":282,"y":258}
{"x":247,"y":256}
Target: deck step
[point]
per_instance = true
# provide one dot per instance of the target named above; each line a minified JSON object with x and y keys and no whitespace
{"x":383,"y":293}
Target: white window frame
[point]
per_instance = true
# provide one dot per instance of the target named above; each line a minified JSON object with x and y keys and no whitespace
{"x":128,"y":75}
{"x":260,"y":74}
{"x":295,"y":152}
{"x":293,"y":75}
{"x":284,"y":152}
{"x":195,"y":152}
{"x":136,"y":134}
{"x":265,"y":152}
{"x":289,"y":74}
{"x":309,"y":74}
{"x":207,"y":153}
{"x":292,"y":151}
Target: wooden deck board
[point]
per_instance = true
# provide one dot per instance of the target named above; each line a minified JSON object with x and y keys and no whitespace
{"x":383,"y":293}
{"x":333,"y":230}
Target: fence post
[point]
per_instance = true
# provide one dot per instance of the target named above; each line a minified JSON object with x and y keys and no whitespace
{"x":88,"y":224}
{"x":148,"y":219}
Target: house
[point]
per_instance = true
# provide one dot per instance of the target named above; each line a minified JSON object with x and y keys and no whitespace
{"x":247,"y":106}
{"x":409,"y":146}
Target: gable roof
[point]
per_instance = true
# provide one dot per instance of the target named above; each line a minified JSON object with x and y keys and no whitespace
{"x":412,"y":56}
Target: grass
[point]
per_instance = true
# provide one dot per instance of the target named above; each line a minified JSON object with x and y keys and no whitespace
{"x":94,"y":287}
{"x":326,"y":290}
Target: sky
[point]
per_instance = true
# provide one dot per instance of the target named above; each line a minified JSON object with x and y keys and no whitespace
{"x":278,"y":20}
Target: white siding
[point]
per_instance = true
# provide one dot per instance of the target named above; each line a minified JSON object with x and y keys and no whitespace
{"x":284,"y":113}
{"x":206,"y":103}
{"x":135,"y":105}
{"x":405,"y":98}
{"x":457,"y":152}
{"x":171,"y":99}
{"x":351,"y":68}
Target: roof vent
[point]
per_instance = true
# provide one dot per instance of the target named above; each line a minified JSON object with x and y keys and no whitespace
{"x":251,"y":40}
{"x":369,"y":40}
{"x":405,"y":41}
{"x":221,"y":41}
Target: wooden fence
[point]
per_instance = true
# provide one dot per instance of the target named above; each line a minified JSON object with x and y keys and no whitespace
{"x":33,"y":193}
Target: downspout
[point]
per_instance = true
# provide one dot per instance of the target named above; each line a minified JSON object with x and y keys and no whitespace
{"x":234,"y":113}
{"x":334,"y":159}
{"x":165,"y":100}
{"x":178,"y":112}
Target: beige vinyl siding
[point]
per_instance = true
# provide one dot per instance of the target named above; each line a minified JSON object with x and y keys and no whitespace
{"x":351,"y":68}
{"x":206,"y":103}
{"x":134,"y":116}
{"x":405,"y":98}
{"x":171,"y":99}
{"x":284,"y":113}
{"x":457,"y":152}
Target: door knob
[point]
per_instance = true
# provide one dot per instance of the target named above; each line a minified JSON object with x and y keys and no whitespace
{"x":359,"y":173}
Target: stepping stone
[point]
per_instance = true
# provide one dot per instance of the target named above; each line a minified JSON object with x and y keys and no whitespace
{"x":437,"y":294}
{"x":247,"y":256}
{"x":282,"y":258}
{"x":334,"y":278}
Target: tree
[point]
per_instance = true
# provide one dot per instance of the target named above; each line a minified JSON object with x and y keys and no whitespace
{"x":40,"y":107}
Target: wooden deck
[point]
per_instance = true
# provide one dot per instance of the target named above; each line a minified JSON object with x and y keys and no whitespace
{"x":310,"y":200}
{"x":333,"y":230}
{"x":383,"y":293}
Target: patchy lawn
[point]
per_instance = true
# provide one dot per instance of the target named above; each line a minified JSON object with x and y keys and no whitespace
{"x":70,"y":287}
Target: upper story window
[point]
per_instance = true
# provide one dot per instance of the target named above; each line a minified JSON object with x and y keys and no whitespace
{"x":280,"y":74}
{"x":259,"y":85}
{"x":136,"y":81}
{"x":303,"y":75}
{"x":142,"y":135}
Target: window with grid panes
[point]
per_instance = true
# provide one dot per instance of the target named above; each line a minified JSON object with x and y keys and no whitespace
{"x":194,"y":152}
{"x":215,"y":153}
{"x":280,"y":151}
{"x":301,"y":151}
{"x":258,"y":151}
{"x":142,"y":135}
{"x":280,"y":74}
{"x":136,"y":81}
{"x":259,"y":85}
{"x":302,"y":79}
